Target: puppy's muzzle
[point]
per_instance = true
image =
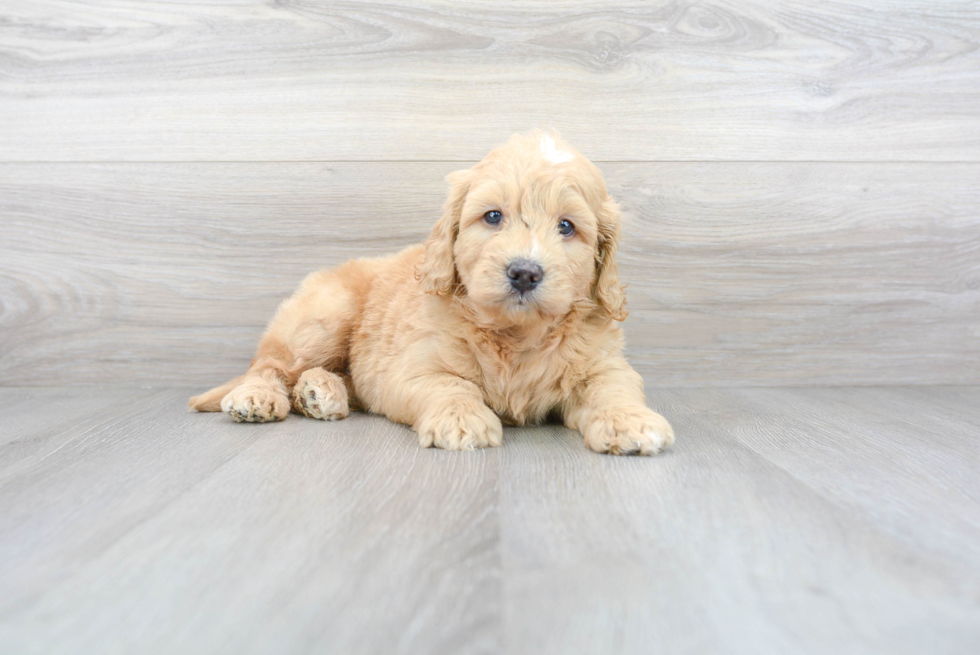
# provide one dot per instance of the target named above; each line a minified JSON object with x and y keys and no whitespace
{"x":524,"y":275}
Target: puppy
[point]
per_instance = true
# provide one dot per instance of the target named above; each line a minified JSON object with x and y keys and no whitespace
{"x":507,"y":312}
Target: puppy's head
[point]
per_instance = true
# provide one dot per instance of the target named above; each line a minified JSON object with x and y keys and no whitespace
{"x":528,"y":233}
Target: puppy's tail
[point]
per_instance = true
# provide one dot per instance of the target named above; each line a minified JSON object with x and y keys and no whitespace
{"x":210,"y":401}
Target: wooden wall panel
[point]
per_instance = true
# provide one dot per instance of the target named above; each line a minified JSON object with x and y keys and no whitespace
{"x":739,"y":273}
{"x":802,"y":176}
{"x":138,"y":80}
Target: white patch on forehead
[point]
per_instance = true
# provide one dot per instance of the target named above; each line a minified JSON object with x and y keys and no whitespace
{"x":552,"y":154}
{"x":535,"y":247}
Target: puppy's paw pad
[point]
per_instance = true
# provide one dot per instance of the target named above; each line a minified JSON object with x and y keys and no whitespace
{"x":322,"y":395}
{"x":463,"y":426}
{"x":629,"y":431}
{"x":253,"y":402}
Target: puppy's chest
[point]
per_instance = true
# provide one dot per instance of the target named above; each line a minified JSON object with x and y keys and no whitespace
{"x":525,"y":387}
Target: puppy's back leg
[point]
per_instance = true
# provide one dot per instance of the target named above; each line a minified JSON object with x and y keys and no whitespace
{"x":310,"y":330}
{"x":321,"y":394}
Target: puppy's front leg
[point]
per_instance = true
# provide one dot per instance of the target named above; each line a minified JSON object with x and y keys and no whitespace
{"x":610,"y":411}
{"x":448,"y":412}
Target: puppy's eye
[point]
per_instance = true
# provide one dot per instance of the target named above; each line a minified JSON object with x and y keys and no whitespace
{"x":565,"y":227}
{"x":493,"y":217}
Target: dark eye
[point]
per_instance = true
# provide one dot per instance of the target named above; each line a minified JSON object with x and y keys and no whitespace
{"x":493,"y":217}
{"x":565,"y":227}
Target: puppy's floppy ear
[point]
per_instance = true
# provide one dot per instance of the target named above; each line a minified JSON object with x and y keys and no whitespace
{"x":437,"y":271}
{"x":607,"y":291}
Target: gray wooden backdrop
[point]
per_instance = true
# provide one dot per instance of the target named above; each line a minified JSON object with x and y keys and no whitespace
{"x":801,"y":178}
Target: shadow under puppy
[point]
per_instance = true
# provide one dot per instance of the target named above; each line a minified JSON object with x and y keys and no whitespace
{"x":509,"y":311}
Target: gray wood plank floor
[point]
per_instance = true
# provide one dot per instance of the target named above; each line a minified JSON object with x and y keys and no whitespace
{"x":813,"y":520}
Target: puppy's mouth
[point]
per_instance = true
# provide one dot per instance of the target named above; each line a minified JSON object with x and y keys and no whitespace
{"x":522,"y":299}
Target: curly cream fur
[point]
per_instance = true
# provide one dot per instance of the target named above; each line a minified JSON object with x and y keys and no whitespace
{"x":435,"y":336}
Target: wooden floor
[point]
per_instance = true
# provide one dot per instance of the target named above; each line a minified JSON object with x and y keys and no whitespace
{"x":833,"y":520}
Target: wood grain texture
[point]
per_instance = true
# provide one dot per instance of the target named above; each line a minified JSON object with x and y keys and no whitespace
{"x":803,"y":521}
{"x":782,"y":521}
{"x":304,"y":80}
{"x":760,"y":274}
{"x":201,"y":538}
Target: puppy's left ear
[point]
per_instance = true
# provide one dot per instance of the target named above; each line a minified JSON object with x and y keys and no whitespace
{"x":437,"y":271}
{"x":607,"y":290}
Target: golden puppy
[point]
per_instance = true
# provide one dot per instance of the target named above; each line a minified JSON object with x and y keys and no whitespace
{"x":509,"y":311}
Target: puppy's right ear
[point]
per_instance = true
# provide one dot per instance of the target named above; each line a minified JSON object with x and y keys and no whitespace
{"x":437,"y":271}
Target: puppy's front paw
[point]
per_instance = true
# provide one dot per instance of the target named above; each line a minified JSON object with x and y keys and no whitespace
{"x":464,"y":425}
{"x":628,"y":431}
{"x":321,"y":394}
{"x":255,"y":402}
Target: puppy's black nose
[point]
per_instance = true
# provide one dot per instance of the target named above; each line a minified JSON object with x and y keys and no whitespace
{"x":524,"y":275}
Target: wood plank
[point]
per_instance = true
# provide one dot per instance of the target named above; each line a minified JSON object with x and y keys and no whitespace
{"x":885,"y":444}
{"x":25,"y":409}
{"x":738,"y":273}
{"x":783,"y":521}
{"x":712,"y":548}
{"x":802,"y":274}
{"x":731,"y":80}
{"x":163,"y":531}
